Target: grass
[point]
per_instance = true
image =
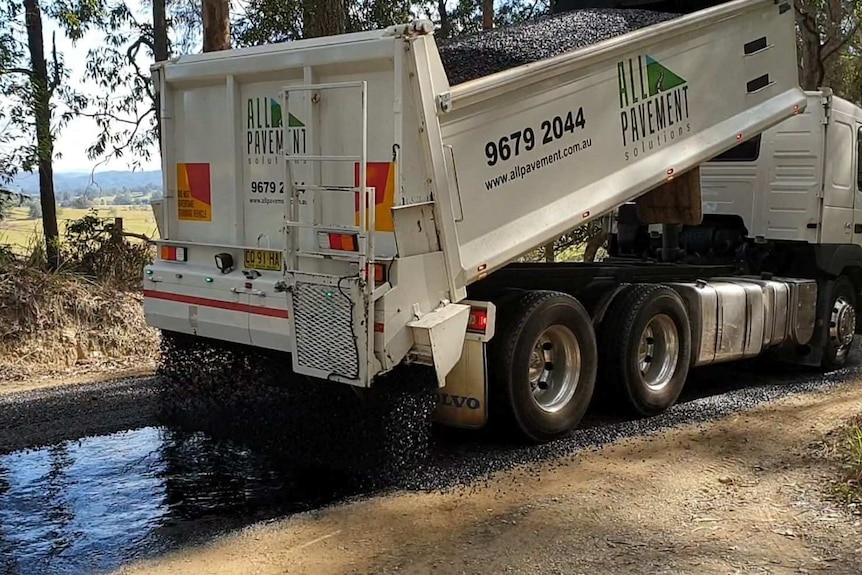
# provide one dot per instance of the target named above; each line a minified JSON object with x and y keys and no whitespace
{"x":849,"y":488}
{"x":19,"y":230}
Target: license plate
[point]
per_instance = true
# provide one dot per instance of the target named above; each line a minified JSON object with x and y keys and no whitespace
{"x":262,"y":260}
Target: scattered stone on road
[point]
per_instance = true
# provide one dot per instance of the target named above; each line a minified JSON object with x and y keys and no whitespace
{"x":658,"y":504}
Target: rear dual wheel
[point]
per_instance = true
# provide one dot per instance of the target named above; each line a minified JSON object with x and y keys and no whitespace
{"x":645,"y":344}
{"x":543,"y":362}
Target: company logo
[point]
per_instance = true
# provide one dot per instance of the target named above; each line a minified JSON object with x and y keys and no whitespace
{"x":458,"y":401}
{"x":265,"y":132}
{"x":654,"y":105}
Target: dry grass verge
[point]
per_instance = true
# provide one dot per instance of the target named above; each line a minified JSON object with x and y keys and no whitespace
{"x":54,"y":321}
{"x":89,"y":312}
{"x":849,"y":450}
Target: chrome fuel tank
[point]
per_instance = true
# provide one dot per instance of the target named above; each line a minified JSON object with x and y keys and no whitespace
{"x":738,"y":317}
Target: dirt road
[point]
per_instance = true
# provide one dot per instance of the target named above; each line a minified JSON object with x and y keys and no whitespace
{"x":743,"y":494}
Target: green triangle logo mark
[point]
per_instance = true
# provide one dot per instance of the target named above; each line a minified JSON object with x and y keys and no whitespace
{"x":661,"y":79}
{"x":275,"y":113}
{"x":294,"y":122}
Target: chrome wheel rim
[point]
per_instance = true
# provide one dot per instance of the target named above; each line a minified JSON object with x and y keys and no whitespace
{"x":555,"y":368}
{"x":658,"y":352}
{"x":842,"y":326}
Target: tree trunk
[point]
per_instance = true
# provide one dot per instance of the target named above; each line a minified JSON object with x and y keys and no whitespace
{"x":593,"y":245}
{"x":810,"y":66}
{"x":44,"y":140}
{"x":160,"y":31}
{"x":160,"y":54}
{"x":323,"y":18}
{"x":216,"y":23}
{"x":445,"y":24}
{"x":549,"y":252}
{"x":487,"y":14}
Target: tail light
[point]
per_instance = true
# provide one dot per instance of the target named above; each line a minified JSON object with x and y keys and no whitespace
{"x":341,"y":242}
{"x":174,"y":254}
{"x":478,"y":321}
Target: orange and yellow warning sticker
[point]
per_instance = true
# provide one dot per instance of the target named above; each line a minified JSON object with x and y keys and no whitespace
{"x":380,"y":176}
{"x":194,"y":194}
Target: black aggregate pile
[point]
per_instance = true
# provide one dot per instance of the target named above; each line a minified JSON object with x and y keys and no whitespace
{"x":473,"y":56}
{"x":373,"y":438}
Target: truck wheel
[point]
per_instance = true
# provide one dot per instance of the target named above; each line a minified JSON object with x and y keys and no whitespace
{"x":543,"y":365}
{"x":646,"y":345}
{"x":842,"y":324}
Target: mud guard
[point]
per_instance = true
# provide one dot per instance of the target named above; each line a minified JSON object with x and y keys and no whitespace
{"x":464,"y":401}
{"x":438,"y":337}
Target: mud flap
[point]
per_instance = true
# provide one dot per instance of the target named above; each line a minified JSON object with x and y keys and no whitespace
{"x":464,"y":401}
{"x":438,"y":338}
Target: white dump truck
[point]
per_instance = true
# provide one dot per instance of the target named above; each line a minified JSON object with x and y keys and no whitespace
{"x":337,"y":200}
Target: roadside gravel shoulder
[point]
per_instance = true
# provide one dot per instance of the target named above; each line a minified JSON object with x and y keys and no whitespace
{"x":38,"y":416}
{"x":81,"y":374}
{"x":747,"y":493}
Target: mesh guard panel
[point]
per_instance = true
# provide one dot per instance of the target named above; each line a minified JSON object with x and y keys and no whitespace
{"x":323,"y":320}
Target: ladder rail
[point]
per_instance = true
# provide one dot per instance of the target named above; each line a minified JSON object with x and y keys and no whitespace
{"x":366,"y":254}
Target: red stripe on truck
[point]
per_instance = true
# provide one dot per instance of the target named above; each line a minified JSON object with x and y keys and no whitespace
{"x":207,"y":302}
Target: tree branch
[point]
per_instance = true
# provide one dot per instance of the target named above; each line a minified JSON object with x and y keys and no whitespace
{"x":826,"y":54}
{"x":110,"y":116}
{"x":132,"y":54}
{"x":55,"y":81}
{"x":25,"y":71}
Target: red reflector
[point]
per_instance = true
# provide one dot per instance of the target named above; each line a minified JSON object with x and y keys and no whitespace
{"x":248,"y":285}
{"x":478,"y":320}
{"x":173,"y":254}
{"x":378,"y":327}
{"x":379,"y":273}
{"x":335,"y":242}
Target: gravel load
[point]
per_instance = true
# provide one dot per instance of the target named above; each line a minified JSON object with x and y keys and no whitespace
{"x":473,"y":56}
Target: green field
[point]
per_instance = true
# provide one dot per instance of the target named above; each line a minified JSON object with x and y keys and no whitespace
{"x":19,"y":230}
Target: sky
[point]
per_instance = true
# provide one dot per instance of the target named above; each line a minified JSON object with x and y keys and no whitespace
{"x":76,"y":137}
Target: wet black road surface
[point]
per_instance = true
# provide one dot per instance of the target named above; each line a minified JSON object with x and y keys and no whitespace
{"x":91,"y":479}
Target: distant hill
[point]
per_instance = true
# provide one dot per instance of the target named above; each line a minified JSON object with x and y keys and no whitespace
{"x":75,"y":183}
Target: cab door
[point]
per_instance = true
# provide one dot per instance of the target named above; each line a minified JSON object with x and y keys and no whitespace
{"x":857,"y":207}
{"x":840,"y":180}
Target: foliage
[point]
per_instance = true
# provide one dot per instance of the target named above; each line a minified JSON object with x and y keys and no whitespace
{"x":829,"y":45}
{"x":93,"y":248}
{"x":81,"y":202}
{"x":35,"y":210}
{"x":18,"y":90}
{"x":8,"y":200}
{"x":267,"y":21}
{"x":123,"y":200}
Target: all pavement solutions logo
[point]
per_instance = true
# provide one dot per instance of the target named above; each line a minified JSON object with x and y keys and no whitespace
{"x":654,"y":106}
{"x":265,"y":132}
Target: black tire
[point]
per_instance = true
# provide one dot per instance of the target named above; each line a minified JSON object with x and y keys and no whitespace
{"x":537,"y":413}
{"x":642,"y":321}
{"x":840,"y":324}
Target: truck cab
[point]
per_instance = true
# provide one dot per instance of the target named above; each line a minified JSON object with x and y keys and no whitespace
{"x":797,"y":182}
